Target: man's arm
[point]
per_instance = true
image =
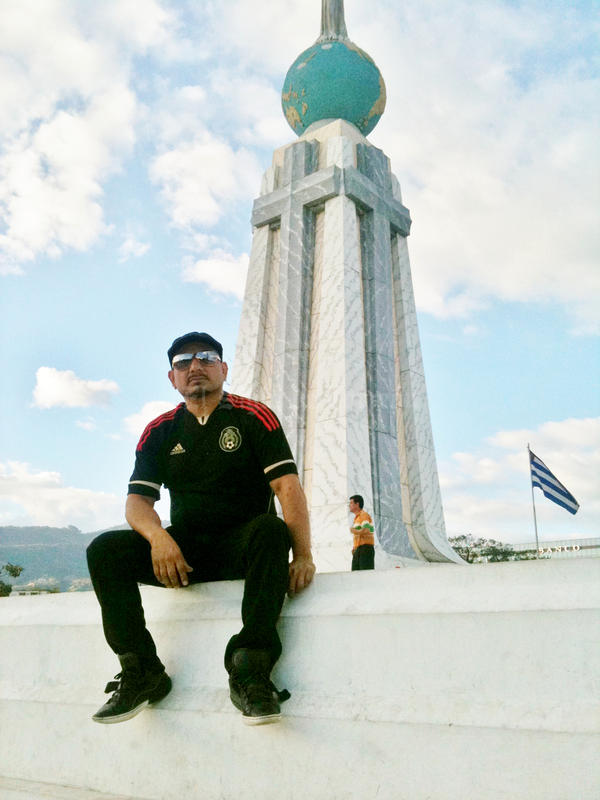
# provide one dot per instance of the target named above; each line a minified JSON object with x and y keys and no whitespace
{"x":295,"y":513}
{"x":170,"y":567}
{"x":362,"y":524}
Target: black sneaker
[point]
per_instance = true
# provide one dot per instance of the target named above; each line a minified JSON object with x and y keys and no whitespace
{"x":135,"y":690}
{"x":250,"y":689}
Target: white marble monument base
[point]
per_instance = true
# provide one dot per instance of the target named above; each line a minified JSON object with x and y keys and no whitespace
{"x":441,"y":682}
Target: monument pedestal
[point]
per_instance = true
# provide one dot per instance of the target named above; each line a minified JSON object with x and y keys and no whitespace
{"x":442,"y":682}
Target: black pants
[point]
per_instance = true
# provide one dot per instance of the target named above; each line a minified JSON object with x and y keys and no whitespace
{"x":363,"y":557}
{"x":257,"y":551}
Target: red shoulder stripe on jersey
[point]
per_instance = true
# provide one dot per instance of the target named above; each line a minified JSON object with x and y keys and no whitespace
{"x":155,"y":424}
{"x":262,"y":412}
{"x":258,"y":409}
{"x":263,"y":409}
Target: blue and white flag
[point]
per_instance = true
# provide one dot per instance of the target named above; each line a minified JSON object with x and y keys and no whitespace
{"x":550,"y":485}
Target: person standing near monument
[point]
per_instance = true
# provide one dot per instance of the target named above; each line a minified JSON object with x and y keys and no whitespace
{"x":363,"y":550}
{"x":223,"y":459}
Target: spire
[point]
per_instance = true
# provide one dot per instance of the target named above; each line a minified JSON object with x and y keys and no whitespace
{"x":333,"y":24}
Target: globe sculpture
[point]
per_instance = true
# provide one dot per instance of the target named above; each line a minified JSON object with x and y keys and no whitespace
{"x":333,"y":79}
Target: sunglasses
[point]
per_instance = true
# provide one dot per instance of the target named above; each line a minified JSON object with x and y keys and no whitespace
{"x":184,"y":360}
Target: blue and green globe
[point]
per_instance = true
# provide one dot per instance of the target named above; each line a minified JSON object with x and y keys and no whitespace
{"x":333,"y":80}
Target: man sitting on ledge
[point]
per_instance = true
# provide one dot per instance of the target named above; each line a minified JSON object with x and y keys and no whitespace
{"x":223,"y":458}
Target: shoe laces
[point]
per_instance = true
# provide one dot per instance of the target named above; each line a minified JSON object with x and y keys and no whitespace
{"x":259,"y":688}
{"x":124,"y":681}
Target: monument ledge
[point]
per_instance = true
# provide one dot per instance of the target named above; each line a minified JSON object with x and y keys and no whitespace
{"x":441,"y":682}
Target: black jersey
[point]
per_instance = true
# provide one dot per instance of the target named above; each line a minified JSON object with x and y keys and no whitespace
{"x":217,"y":473}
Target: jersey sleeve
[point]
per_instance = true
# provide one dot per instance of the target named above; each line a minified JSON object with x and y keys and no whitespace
{"x":269,"y":442}
{"x":277,"y":457}
{"x":274,"y":453}
{"x":147,"y":477}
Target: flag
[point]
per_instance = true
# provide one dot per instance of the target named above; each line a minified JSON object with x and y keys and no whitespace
{"x":550,"y":485}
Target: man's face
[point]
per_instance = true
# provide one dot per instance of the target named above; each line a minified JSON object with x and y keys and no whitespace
{"x":353,"y":507}
{"x":199,"y":379}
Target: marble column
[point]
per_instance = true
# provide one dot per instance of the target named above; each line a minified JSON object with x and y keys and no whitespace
{"x":328,"y":338}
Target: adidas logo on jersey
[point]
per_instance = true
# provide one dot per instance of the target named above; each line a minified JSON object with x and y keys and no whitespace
{"x":177,"y":450}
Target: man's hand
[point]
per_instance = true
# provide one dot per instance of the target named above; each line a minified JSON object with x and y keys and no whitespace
{"x":170,"y":567}
{"x":168,"y":563}
{"x":302,"y":570}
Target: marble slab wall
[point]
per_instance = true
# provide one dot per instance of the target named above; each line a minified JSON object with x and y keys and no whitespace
{"x":419,"y":476}
{"x":328,"y":338}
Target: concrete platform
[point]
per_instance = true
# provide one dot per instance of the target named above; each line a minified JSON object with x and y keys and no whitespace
{"x":438,"y":682}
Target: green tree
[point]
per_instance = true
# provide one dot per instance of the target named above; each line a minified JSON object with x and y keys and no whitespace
{"x":472,"y":550}
{"x":14,"y":571}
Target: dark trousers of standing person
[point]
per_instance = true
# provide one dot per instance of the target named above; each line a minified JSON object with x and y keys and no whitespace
{"x":257,"y":551}
{"x":363,"y":557}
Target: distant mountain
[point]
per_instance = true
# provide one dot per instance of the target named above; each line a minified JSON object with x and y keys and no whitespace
{"x":49,"y":556}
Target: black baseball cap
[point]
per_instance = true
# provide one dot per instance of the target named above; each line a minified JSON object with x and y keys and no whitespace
{"x":194,"y":336}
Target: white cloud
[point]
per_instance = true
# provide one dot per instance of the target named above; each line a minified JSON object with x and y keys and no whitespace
{"x":42,"y":499}
{"x":86,"y":424}
{"x":132,"y":248}
{"x":64,"y":130}
{"x":250,"y":108}
{"x":221,"y":272}
{"x":199,"y":242}
{"x":135,"y":423}
{"x":495,"y":142}
{"x":268,"y":35}
{"x":200,"y":179}
{"x":140,"y":26}
{"x":580,"y":433}
{"x":63,"y":388}
{"x":67,"y":115}
{"x":244,"y":109}
{"x":488,"y":493}
{"x":50,"y":188}
{"x":473,"y":468}
{"x":491,"y":125}
{"x":570,"y":449}
{"x":182,"y":112}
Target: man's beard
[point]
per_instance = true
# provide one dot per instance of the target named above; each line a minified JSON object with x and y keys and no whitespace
{"x":197,"y":393}
{"x":201,"y":392}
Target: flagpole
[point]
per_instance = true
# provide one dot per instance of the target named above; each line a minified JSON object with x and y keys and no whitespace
{"x":537,"y":543}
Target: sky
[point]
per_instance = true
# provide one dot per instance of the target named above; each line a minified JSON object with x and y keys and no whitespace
{"x":133,"y":138}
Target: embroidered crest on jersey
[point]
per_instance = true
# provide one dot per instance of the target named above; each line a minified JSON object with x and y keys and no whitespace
{"x":230,"y":439}
{"x":177,"y":450}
